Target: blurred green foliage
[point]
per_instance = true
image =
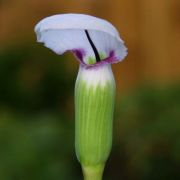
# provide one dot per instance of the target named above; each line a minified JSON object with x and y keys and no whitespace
{"x":33,"y":78}
{"x":37,"y":123}
{"x":147,"y":130}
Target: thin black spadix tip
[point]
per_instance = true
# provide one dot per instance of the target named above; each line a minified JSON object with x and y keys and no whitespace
{"x":93,"y":46}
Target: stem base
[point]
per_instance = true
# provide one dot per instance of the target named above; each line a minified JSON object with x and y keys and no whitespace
{"x":93,"y":172}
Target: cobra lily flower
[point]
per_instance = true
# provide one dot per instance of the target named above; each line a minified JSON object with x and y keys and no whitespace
{"x":96,"y":44}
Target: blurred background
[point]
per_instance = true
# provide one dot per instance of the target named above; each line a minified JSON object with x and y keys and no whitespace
{"x":37,"y":86}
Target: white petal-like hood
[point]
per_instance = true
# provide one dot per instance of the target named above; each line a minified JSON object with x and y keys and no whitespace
{"x":83,"y":35}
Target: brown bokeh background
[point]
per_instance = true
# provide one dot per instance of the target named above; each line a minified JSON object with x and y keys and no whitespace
{"x":36,"y":92}
{"x":150,"y":30}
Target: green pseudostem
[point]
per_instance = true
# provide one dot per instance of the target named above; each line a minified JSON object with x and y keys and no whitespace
{"x":94,"y":106}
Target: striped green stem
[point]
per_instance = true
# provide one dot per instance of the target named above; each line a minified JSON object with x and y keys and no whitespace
{"x":93,"y":173}
{"x":94,"y":106}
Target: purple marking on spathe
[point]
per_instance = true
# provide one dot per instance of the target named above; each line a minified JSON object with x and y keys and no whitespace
{"x":79,"y":53}
{"x":109,"y":60}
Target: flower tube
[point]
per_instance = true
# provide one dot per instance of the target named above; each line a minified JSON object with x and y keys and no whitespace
{"x":96,"y":45}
